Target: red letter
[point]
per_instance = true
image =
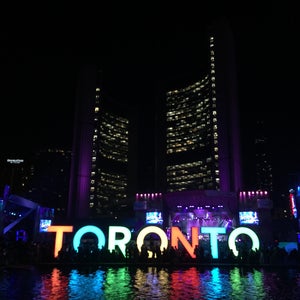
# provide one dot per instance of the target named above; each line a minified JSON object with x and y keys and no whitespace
{"x":177,"y":235}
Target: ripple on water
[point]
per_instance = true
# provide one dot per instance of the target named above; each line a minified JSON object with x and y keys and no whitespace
{"x":149,"y":283}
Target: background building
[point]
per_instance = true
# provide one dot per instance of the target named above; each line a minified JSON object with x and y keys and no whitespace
{"x":48,"y":180}
{"x":41,"y":177}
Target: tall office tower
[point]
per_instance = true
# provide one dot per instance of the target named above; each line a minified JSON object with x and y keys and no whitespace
{"x":202,"y":125}
{"x":100,"y":162}
{"x":109,"y":172}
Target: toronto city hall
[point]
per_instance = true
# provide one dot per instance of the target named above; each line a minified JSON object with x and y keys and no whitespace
{"x":197,"y":176}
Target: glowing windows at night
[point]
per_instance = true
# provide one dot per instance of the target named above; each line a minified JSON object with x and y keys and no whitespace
{"x":187,"y":131}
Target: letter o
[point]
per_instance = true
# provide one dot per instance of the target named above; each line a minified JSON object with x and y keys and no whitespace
{"x":85,"y":229}
{"x":242,"y":230}
{"x":152,"y":229}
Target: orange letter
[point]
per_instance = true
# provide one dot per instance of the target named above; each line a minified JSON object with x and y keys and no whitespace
{"x":177,"y":235}
{"x":59,"y":236}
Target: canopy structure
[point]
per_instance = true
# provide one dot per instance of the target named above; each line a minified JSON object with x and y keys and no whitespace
{"x":17,"y":212}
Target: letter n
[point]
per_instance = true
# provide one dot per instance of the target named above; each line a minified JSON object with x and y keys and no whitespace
{"x":177,"y":235}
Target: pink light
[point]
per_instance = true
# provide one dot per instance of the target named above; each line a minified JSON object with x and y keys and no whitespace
{"x":293,"y":205}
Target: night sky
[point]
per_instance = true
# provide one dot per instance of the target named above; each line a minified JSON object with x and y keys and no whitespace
{"x":41,"y":52}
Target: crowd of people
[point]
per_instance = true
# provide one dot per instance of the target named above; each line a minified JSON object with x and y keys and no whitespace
{"x":20,"y":252}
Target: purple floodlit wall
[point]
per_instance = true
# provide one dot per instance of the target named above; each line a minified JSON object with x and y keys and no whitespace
{"x":148,"y":196}
{"x":254,"y":200}
{"x":229,"y":200}
{"x":78,"y":202}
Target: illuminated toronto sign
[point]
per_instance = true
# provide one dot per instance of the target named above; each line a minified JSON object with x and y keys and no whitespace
{"x":176,"y":237}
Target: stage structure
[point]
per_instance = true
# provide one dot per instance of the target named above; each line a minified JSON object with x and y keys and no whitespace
{"x":22,"y":218}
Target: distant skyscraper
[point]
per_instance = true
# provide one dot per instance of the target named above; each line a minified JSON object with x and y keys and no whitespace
{"x":14,"y":172}
{"x":263,"y":167}
{"x":48,"y":179}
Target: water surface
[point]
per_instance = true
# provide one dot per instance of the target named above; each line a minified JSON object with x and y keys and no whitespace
{"x":149,"y":282}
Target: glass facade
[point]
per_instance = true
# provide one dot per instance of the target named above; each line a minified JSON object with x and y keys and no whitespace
{"x":108,"y":183}
{"x":192,"y":134}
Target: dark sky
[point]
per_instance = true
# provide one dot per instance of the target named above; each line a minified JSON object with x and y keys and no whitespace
{"x":41,"y":51}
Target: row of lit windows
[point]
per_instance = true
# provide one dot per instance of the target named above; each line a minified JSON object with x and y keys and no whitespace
{"x":114,"y":119}
{"x":185,"y":165}
{"x":186,"y":177}
{"x":178,"y":130}
{"x":195,"y":86}
{"x":179,"y":102}
{"x":187,"y":143}
{"x":112,"y":177}
{"x":193,"y":167}
{"x":180,"y":127}
{"x":194,"y":111}
{"x":113,"y":130}
{"x":175,"y":106}
{"x":190,"y":173}
{"x":108,"y":192}
{"x":179,"y":148}
{"x":113,"y":155}
{"x":108,"y":187}
{"x":180,"y":115}
{"x":114,"y":138}
{"x":177,"y":136}
{"x":190,"y":185}
{"x":203,"y":170}
{"x":188,"y":146}
{"x":117,"y":185}
{"x":114,"y":124}
{"x":195,"y":180}
{"x":186,"y":140}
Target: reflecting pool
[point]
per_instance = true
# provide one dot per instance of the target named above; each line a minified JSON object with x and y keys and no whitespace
{"x":149,"y":282}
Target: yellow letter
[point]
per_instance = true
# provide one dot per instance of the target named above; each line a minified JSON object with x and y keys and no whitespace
{"x":152,"y":229}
